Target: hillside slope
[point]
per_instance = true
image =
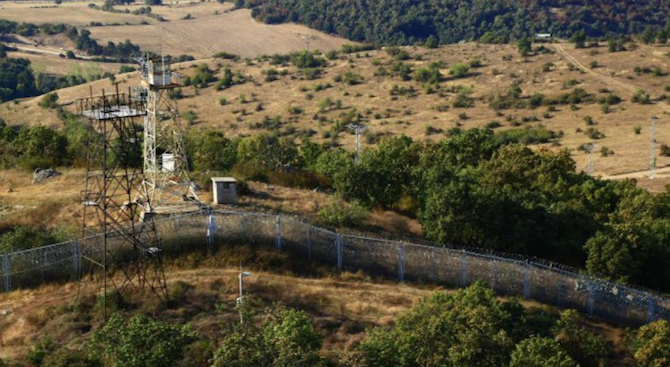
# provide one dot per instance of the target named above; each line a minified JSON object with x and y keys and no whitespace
{"x":293,"y":103}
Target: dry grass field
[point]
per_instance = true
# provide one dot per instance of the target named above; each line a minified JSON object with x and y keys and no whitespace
{"x":214,"y":28}
{"x":341,"y":306}
{"x":61,"y":66}
{"x":74,"y":13}
{"x":300,"y":103}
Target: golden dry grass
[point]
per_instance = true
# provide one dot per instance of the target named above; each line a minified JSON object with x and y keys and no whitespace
{"x":384,"y":114}
{"x":208,"y":33}
{"x":52,"y":204}
{"x":60,"y":66}
{"x":75,"y":13}
{"x":340,"y":306}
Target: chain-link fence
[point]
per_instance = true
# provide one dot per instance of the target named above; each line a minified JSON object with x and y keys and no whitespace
{"x":400,"y":260}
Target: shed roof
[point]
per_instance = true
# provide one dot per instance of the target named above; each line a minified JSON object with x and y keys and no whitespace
{"x":224,"y":179}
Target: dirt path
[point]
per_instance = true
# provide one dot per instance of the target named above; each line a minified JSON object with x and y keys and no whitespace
{"x":608,"y":80}
{"x":658,"y":173}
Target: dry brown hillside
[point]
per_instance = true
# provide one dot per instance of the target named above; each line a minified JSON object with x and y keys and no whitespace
{"x":296,"y":106}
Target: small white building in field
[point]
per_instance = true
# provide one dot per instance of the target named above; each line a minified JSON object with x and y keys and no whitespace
{"x":225,"y":190}
{"x":543,"y":36}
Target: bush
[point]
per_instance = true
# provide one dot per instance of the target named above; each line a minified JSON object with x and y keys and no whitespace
{"x":641,"y":96}
{"x":470,"y":328}
{"x":49,"y":100}
{"x":140,"y":342}
{"x":585,"y":347}
{"x":651,"y":345}
{"x":594,"y":133}
{"x":526,"y":135}
{"x":665,"y":150}
{"x":339,"y":213}
{"x":286,"y":338}
{"x":540,"y":352}
{"x":23,"y":238}
{"x":459,"y":70}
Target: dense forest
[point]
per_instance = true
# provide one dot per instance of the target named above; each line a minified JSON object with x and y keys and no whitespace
{"x":496,"y":21}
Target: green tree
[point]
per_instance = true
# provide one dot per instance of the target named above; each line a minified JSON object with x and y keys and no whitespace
{"x":579,"y":39}
{"x":651,"y":345}
{"x":211,"y":150}
{"x":631,"y":246}
{"x":268,"y":151}
{"x":139,"y":342}
{"x":470,"y":328}
{"x":585,"y":347}
{"x":40,"y":145}
{"x":524,"y":46}
{"x":432,"y":42}
{"x":540,"y":352}
{"x":305,"y":59}
{"x":649,"y":35}
{"x":285,"y":339}
{"x":383,"y":174}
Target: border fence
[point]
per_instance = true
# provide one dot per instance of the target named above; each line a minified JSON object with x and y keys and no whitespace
{"x":400,"y":260}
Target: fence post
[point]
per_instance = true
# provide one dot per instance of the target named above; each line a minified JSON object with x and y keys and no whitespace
{"x":434,"y":265}
{"x":278,"y":239}
{"x":339,"y":246}
{"x":6,"y":268}
{"x":464,"y":269}
{"x":495,"y":275}
{"x":651,"y":313}
{"x":401,"y":262}
{"x":211,"y":232}
{"x":75,"y":259}
{"x":526,"y":280}
{"x":590,"y":302}
{"x":309,"y":242}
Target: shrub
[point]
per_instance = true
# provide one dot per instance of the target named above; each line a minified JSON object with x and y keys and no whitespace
{"x":589,"y":121}
{"x":526,"y":135}
{"x":463,"y":101}
{"x":190,"y":117}
{"x":459,"y":70}
{"x":351,"y":78}
{"x":641,"y":96}
{"x":23,"y":238}
{"x":139,"y":342}
{"x":651,"y":344}
{"x":594,"y":133}
{"x":637,"y":129}
{"x":665,"y":150}
{"x":49,"y":100}
{"x":586,"y":348}
{"x":338,"y":212}
{"x":540,"y":352}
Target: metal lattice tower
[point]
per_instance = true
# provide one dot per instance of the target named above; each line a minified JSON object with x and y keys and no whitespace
{"x":591,"y":148}
{"x":127,"y":253}
{"x":357,"y":129}
{"x":652,"y":148}
{"x":166,"y":188}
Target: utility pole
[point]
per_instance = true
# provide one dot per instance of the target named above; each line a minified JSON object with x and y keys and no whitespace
{"x":652,"y":148}
{"x":358,"y":129}
{"x":591,"y":147}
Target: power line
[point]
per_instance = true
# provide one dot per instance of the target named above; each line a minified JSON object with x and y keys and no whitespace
{"x":357,"y":129}
{"x":652,"y":148}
